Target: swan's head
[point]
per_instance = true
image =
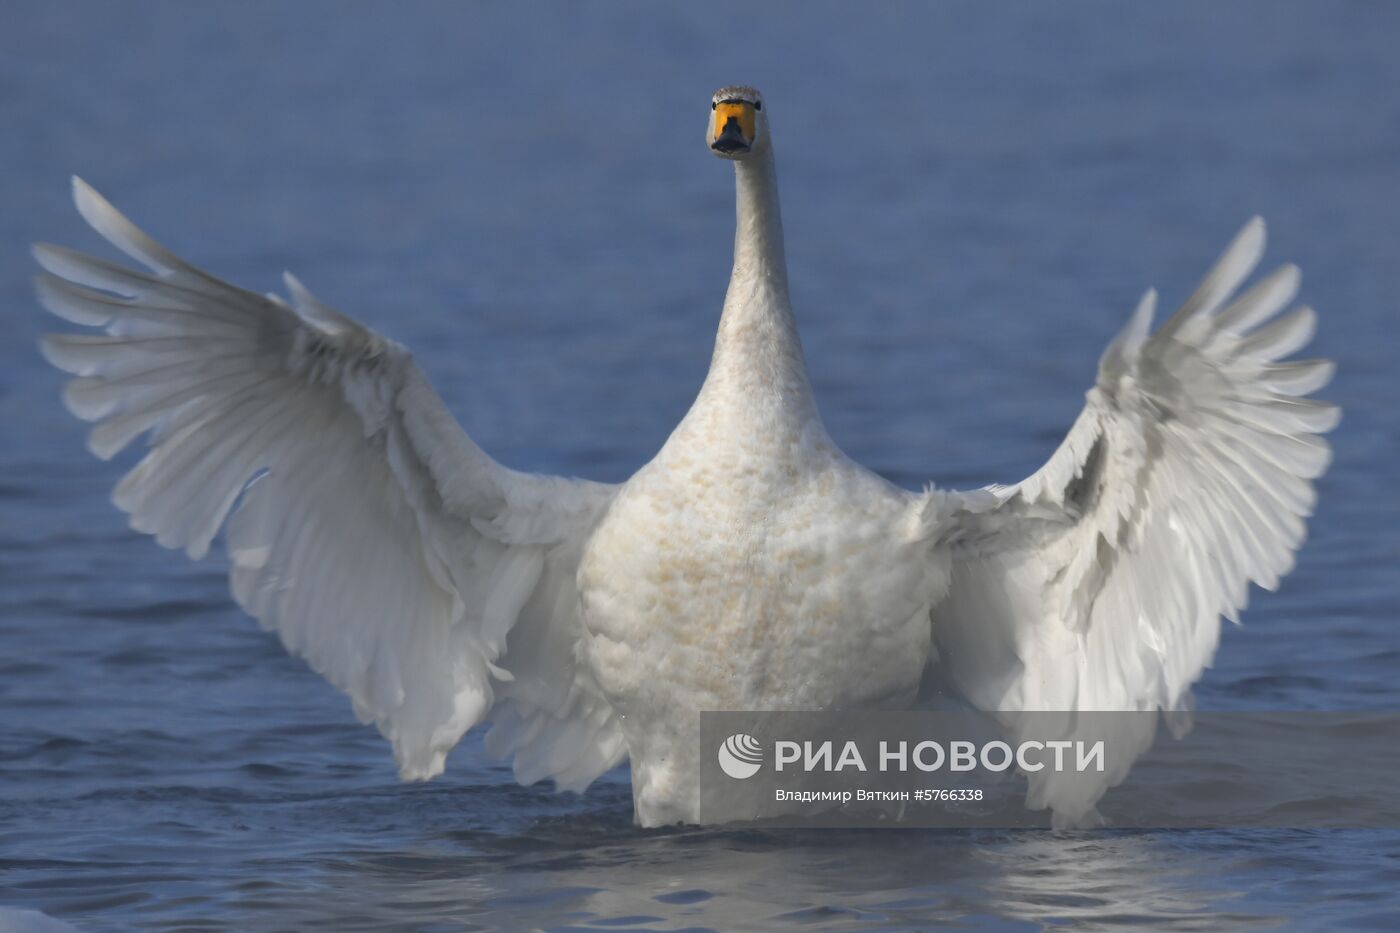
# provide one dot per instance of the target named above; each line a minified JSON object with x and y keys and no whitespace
{"x":738,"y":126}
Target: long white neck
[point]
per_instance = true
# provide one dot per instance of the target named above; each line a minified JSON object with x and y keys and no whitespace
{"x":757,"y":349}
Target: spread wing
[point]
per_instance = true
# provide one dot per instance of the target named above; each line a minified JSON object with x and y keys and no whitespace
{"x":1098,"y":583}
{"x":414,"y":572}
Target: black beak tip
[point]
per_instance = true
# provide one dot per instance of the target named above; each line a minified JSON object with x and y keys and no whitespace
{"x":728,"y":144}
{"x":731,"y":138}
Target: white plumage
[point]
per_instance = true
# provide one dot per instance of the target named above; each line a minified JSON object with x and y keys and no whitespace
{"x":750,"y":565}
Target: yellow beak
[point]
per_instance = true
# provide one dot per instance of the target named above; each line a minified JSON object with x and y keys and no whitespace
{"x":733,"y":129}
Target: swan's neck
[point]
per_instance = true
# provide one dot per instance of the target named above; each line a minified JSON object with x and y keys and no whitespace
{"x":760,"y":268}
{"x":757,"y":349}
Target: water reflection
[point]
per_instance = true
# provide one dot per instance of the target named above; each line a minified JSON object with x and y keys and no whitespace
{"x":592,"y":869}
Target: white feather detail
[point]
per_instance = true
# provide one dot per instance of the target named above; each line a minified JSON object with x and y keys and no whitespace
{"x":1099,"y":582}
{"x":375,"y":538}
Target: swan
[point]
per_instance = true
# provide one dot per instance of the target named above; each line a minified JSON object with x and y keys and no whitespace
{"x":751,"y":565}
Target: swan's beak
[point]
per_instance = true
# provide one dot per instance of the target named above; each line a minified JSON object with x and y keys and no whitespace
{"x":733,"y":127}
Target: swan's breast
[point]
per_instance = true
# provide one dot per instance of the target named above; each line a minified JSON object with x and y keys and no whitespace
{"x":732,"y":581}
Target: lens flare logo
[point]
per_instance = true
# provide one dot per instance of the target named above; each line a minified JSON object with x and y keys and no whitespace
{"x":740,"y":756}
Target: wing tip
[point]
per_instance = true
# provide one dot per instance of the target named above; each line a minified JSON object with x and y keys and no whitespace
{"x":1250,"y":243}
{"x":1243,"y":254}
{"x":86,"y":199}
{"x":51,"y":348}
{"x":1326,"y":371}
{"x":43,"y":252}
{"x":1308,"y":315}
{"x":107,"y":221}
{"x":1147,"y":305}
{"x":301,"y":296}
{"x":1140,"y":324}
{"x":1255,"y":231}
{"x":1332,"y":417}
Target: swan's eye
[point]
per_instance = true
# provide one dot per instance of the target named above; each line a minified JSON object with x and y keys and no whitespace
{"x":714,"y":104}
{"x":758,"y":105}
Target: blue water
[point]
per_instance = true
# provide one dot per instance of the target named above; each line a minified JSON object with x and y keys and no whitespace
{"x":974,"y":199}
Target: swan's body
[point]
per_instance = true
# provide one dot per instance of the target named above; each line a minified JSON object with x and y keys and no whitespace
{"x":750,"y":565}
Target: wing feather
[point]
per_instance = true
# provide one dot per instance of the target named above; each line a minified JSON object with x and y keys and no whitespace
{"x":1099,"y":582}
{"x":381,"y":544}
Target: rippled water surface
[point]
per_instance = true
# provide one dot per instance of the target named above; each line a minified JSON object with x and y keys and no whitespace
{"x":974,"y":201}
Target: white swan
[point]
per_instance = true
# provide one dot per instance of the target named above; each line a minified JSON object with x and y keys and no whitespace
{"x":750,"y":565}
